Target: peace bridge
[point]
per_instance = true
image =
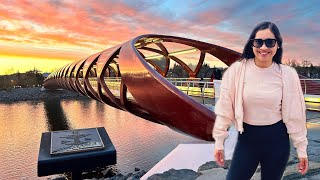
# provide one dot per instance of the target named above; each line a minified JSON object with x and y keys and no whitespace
{"x":135,"y":77}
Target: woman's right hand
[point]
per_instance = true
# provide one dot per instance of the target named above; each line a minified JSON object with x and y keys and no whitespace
{"x":219,"y":156}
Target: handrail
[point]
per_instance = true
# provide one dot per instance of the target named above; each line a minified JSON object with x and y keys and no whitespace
{"x":191,"y":83}
{"x":311,"y":86}
{"x":114,"y":83}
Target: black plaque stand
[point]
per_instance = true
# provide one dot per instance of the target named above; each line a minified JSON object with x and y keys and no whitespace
{"x":77,"y":162}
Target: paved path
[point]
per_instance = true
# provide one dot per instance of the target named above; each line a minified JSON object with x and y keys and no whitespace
{"x":192,"y":156}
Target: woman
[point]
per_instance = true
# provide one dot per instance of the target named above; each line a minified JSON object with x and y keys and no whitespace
{"x":264,"y":100}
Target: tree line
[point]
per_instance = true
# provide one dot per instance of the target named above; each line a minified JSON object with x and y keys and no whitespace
{"x":206,"y":71}
{"x":304,"y":68}
{"x":28,"y":79}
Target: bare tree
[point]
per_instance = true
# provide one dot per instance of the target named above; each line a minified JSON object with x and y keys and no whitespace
{"x":292,"y":62}
{"x":306,"y":63}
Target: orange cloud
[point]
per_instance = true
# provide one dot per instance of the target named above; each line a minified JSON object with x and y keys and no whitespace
{"x":77,"y":29}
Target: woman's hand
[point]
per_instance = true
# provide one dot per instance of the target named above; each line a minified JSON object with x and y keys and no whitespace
{"x":219,"y":156}
{"x":303,"y":165}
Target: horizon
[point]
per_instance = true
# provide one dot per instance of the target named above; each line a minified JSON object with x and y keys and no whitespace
{"x":66,"y":31}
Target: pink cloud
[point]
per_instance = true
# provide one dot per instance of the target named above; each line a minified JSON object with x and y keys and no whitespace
{"x":210,"y":17}
{"x":108,"y":23}
{"x":101,"y":24}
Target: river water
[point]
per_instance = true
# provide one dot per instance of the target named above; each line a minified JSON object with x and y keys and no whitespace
{"x":139,"y":143}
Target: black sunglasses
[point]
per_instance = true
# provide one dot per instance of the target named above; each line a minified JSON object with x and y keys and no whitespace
{"x":258,"y":43}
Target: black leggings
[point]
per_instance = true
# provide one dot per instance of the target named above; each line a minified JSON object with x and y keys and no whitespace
{"x":267,"y":145}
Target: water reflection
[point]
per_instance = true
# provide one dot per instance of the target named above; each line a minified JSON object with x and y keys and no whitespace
{"x":56,"y":119}
{"x":85,"y":105}
{"x":99,"y":108}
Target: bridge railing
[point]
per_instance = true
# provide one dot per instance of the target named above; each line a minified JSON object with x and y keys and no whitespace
{"x":190,"y":86}
{"x":310,"y":86}
{"x":204,"y":88}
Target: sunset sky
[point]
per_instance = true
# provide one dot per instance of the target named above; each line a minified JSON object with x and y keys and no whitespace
{"x":50,"y":34}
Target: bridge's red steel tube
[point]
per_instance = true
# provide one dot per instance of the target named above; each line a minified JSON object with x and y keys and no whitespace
{"x":153,"y":97}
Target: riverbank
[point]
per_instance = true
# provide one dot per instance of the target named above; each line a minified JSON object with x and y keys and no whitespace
{"x":106,"y":173}
{"x":37,"y":94}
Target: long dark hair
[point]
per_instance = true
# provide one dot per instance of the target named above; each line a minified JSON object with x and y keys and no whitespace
{"x":248,"y":52}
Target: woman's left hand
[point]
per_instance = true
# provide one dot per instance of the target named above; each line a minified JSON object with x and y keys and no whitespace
{"x":303,"y":165}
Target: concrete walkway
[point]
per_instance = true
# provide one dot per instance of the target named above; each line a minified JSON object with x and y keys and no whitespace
{"x":192,"y":156}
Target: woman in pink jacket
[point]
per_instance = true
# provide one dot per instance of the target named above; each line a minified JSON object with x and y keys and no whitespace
{"x":264,"y":100}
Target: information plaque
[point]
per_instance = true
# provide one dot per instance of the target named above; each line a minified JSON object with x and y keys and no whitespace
{"x":72,"y":141}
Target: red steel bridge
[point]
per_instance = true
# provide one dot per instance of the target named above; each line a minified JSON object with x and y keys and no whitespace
{"x":143,"y":87}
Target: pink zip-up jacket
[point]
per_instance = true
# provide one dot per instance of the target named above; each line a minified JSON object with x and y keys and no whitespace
{"x":229,"y":108}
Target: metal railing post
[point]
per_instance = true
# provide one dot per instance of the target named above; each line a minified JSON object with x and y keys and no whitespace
{"x":203,"y":89}
{"x":188,"y":83}
{"x":305,"y":87}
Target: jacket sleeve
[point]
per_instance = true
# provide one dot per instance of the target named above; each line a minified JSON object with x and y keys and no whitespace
{"x":296,"y":116}
{"x":224,"y":109}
